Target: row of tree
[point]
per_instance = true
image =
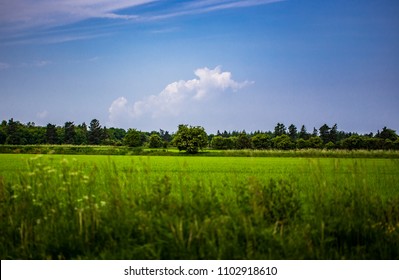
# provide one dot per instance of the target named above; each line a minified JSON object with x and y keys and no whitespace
{"x":290,"y":138}
{"x":17,"y":133}
{"x":192,"y":139}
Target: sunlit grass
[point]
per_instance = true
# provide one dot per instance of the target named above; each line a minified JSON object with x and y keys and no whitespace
{"x":99,"y":207}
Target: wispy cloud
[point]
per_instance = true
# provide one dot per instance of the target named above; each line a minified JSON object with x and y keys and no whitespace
{"x":206,"y":6}
{"x":37,"y":63}
{"x":18,"y":18}
{"x":176,"y":97}
{"x":23,"y":14}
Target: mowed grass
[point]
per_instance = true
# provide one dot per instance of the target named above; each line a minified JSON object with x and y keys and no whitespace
{"x":131,"y":207}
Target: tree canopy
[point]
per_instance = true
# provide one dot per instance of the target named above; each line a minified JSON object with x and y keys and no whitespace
{"x":190,"y":138}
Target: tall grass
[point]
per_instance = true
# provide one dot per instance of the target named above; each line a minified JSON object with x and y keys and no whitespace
{"x":66,"y":209}
{"x":124,"y":150}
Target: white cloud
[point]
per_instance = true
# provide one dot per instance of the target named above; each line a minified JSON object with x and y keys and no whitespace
{"x":206,"y":6}
{"x":118,"y":110}
{"x":176,"y":97}
{"x":19,"y":17}
{"x":24,"y":22}
{"x":50,"y":13}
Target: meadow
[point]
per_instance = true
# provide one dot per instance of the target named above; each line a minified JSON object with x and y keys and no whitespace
{"x":195,"y":207}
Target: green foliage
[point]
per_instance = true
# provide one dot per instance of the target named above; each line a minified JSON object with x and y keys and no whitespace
{"x":51,"y":134}
{"x":243,"y":141}
{"x":155,"y":141}
{"x":190,"y":139}
{"x":292,"y":132}
{"x":353,"y":142}
{"x":315,"y":142}
{"x":324,"y":132}
{"x":387,"y":133}
{"x":303,"y":134}
{"x":329,"y":146}
{"x":283,"y":142}
{"x":302,"y":144}
{"x":16,"y":133}
{"x":396,"y":144}
{"x":3,"y":136}
{"x":96,"y":134}
{"x":133,"y":138}
{"x":262,"y":141}
{"x":223,"y":143}
{"x":69,"y":133}
{"x":280,"y":129}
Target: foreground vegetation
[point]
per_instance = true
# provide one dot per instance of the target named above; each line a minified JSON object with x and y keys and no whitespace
{"x":99,"y":207}
{"x":123,"y":150}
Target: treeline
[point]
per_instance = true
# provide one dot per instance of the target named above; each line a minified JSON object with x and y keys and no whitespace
{"x":282,"y":137}
{"x":325,"y":137}
{"x":17,"y":133}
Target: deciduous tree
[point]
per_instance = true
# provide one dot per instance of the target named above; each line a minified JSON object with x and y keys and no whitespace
{"x":190,"y":139}
{"x":133,"y":138}
{"x":155,"y":141}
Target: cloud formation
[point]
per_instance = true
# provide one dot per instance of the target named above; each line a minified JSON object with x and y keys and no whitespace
{"x":176,"y":97}
{"x":206,"y":6}
{"x":19,"y":17}
{"x":49,"y":13}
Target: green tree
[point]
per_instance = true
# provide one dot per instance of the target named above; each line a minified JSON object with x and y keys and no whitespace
{"x":33,"y":134}
{"x":324,"y":131}
{"x":69,"y":133}
{"x":155,"y":141}
{"x":387,"y":133}
{"x":303,"y":134}
{"x":396,"y":144}
{"x":3,"y":136}
{"x":243,"y":141}
{"x":51,"y":134}
{"x":115,"y":135}
{"x":353,"y":142}
{"x":133,"y":138}
{"x":81,"y":134}
{"x":314,"y":133}
{"x":262,"y":141}
{"x":283,"y":142}
{"x":302,"y":143}
{"x":279,"y":129}
{"x":96,"y":133}
{"x":218,"y":143}
{"x":315,"y":142}
{"x":334,"y":134}
{"x":329,"y":146}
{"x":165,"y":135}
{"x":190,"y":139}
{"x":292,"y":132}
{"x":16,"y":134}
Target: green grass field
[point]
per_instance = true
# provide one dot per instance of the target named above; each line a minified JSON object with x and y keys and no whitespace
{"x":178,"y":207}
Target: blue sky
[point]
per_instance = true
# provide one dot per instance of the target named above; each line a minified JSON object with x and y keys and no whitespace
{"x":222,"y":64}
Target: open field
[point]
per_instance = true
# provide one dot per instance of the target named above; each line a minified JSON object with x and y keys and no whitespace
{"x":164,"y":207}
